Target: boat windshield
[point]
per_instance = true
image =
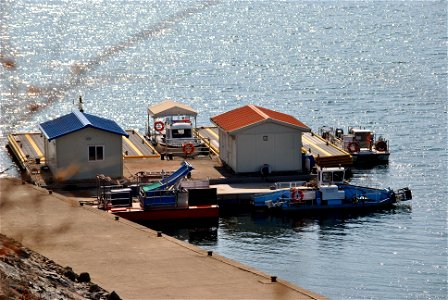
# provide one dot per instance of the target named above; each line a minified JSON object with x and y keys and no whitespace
{"x":364,"y":139}
{"x":329,"y":177}
{"x":181,"y":133}
{"x":338,"y":176}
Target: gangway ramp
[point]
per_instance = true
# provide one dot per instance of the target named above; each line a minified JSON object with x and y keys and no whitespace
{"x":325,"y":153}
{"x":136,"y":146}
{"x":27,"y":147}
{"x":209,"y":135}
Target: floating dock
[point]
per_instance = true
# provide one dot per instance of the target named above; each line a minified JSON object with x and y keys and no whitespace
{"x":28,"y":149}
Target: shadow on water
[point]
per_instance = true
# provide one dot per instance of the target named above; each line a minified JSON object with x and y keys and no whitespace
{"x":205,"y":233}
{"x":329,"y":220}
{"x":191,"y":231}
{"x":382,"y":168}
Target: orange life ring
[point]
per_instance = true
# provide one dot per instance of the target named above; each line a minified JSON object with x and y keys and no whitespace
{"x":188,"y":148}
{"x":300,"y":197}
{"x":381,"y":146}
{"x":353,"y":147}
{"x":296,"y":195}
{"x":159,"y":126}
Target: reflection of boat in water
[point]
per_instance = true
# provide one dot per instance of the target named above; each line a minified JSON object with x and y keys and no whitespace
{"x":360,"y":143}
{"x":329,"y":193}
{"x":161,"y":200}
{"x":173,"y":129}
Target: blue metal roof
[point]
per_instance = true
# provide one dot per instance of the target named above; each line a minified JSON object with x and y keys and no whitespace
{"x":76,"y":121}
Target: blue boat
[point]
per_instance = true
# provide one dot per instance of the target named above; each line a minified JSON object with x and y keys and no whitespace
{"x":328,"y":193}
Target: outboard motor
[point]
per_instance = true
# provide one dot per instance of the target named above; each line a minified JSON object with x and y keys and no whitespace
{"x":339,"y":133}
{"x":403,"y":194}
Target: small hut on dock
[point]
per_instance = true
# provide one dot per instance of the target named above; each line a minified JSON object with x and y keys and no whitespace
{"x":78,"y":146}
{"x":254,"y":139}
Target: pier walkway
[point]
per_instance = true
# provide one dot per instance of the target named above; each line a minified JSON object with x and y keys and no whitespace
{"x":136,"y":146}
{"x":127,"y":258}
{"x":325,"y":153}
{"x":210,"y":136}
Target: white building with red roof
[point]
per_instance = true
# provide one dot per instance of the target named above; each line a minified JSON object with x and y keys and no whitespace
{"x":251,"y":137}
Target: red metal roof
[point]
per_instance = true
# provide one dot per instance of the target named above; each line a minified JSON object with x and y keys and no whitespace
{"x":251,"y":114}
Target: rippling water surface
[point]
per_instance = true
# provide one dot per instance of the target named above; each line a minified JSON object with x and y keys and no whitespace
{"x":377,"y":64}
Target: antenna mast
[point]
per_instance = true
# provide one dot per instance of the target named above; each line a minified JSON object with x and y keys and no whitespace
{"x":81,"y":109}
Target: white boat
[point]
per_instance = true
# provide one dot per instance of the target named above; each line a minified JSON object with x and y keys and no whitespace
{"x":362,"y":144}
{"x":171,"y":128}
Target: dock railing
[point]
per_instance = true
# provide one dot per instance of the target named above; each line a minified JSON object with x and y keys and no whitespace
{"x":199,"y":147}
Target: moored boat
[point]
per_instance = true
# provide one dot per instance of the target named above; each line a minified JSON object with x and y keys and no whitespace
{"x":329,"y":193}
{"x":173,"y":129}
{"x":161,"y":200}
{"x":362,"y":144}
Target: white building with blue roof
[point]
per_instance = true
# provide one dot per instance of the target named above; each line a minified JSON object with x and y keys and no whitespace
{"x":78,"y":146}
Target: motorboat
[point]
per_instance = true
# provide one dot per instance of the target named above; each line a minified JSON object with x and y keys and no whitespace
{"x":329,"y":192}
{"x":173,"y":129}
{"x":361,"y":143}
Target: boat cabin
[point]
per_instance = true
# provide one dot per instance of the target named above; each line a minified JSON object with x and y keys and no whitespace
{"x":327,"y":179}
{"x":173,"y":125}
{"x":364,"y":137}
{"x":178,"y":128}
{"x":330,"y":176}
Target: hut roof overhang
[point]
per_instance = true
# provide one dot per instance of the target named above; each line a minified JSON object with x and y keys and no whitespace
{"x":76,"y":121}
{"x":170,"y":108}
{"x":248,"y":116}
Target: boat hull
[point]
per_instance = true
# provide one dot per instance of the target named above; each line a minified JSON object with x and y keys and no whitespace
{"x":335,"y":198}
{"x":321,"y":210}
{"x":178,"y":149}
{"x":205,"y":212}
{"x":370,"y":158}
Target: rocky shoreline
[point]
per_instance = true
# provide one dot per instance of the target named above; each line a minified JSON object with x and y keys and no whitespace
{"x":25,"y":274}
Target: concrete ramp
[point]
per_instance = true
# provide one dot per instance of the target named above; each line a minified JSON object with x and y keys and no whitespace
{"x":127,"y":258}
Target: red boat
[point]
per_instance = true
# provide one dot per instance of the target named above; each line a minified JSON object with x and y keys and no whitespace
{"x":138,"y":215}
{"x":165,"y":199}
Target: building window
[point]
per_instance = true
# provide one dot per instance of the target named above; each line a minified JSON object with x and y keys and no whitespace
{"x":96,"y":153}
{"x":265,"y":138}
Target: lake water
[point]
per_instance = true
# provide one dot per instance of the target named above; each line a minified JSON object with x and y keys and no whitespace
{"x":379,"y":64}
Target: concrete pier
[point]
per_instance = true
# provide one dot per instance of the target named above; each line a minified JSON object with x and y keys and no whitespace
{"x":127,"y":258}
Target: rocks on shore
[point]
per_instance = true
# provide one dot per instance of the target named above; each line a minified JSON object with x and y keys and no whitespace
{"x":25,"y":274}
